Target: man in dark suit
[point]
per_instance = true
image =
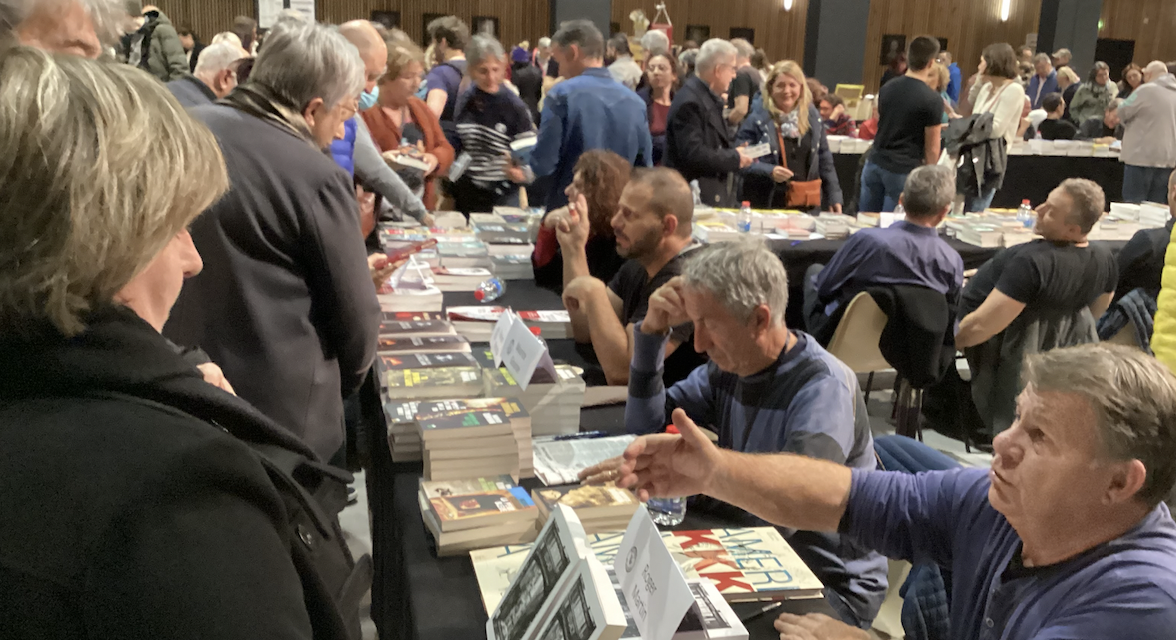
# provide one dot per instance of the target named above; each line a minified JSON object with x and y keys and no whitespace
{"x":548,"y":65}
{"x":215,"y":76}
{"x":285,"y":303}
{"x":698,"y":143}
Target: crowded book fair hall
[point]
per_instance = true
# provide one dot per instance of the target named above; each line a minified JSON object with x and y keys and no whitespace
{"x":588,"y":319}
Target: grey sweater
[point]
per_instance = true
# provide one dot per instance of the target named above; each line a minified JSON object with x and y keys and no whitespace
{"x":375,"y":175}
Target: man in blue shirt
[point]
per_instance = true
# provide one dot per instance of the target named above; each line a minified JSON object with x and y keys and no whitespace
{"x":766,"y":389}
{"x":1044,"y":82}
{"x":1066,"y":536}
{"x":953,"y":74}
{"x":909,"y":252}
{"x":588,"y":110}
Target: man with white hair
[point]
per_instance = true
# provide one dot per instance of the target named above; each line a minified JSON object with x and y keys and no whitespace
{"x":655,"y":41}
{"x":81,"y":27}
{"x":698,"y":143}
{"x":215,"y":76}
{"x":767,"y":388}
{"x":285,"y":303}
{"x":1065,"y":536}
{"x":544,"y":60}
{"x":1149,"y":137}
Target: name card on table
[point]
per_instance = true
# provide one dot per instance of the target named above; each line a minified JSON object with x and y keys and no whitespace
{"x":652,"y":582}
{"x":514,"y":346}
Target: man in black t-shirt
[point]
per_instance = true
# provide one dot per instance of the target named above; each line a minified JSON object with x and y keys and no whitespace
{"x":746,"y":84}
{"x":1055,"y":126}
{"x":1059,"y":274}
{"x":653,"y":230}
{"x":909,"y":124}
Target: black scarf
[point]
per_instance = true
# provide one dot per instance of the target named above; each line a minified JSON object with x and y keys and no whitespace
{"x":260,"y":102}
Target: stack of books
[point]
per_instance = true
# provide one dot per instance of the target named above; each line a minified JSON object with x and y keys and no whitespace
{"x":438,"y":343}
{"x":1152,"y":215}
{"x":516,"y":415}
{"x":425,"y":298}
{"x":503,"y":233}
{"x":477,"y":323}
{"x":404,"y":439}
{"x":554,"y":404}
{"x":513,"y":267}
{"x":437,"y":382}
{"x":599,"y":507}
{"x":835,"y":225}
{"x":467,"y":442}
{"x":472,"y":514}
{"x":464,"y":255}
{"x":405,"y":329}
{"x":709,"y":231}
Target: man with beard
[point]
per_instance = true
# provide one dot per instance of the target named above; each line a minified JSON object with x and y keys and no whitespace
{"x":652,"y":228}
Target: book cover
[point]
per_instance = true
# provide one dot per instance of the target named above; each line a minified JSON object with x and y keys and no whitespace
{"x":411,"y":316}
{"x":426,"y":361}
{"x":511,"y":407}
{"x":586,"y":607}
{"x":746,"y":564}
{"x":435,"y":343}
{"x":472,"y":423}
{"x":589,"y":501}
{"x":417,"y":328}
{"x":406,"y":380}
{"x":466,"y":504}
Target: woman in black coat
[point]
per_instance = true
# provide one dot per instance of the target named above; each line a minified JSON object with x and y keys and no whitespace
{"x":135,"y":500}
{"x":787,"y":116}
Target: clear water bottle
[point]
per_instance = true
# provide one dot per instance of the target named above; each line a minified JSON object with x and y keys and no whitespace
{"x":668,"y":512}
{"x":1025,"y":215}
{"x":744,"y":222}
{"x":899,"y":210}
{"x":490,"y":290}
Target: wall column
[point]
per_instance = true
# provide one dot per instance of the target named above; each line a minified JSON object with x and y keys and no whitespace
{"x":835,"y":41}
{"x":1072,"y":24}
{"x":598,"y":11}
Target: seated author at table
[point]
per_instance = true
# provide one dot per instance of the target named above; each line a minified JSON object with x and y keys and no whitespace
{"x":908,"y":252}
{"x":600,"y":175}
{"x":1064,"y":537}
{"x":1103,"y":129}
{"x":766,"y":389}
{"x":652,"y":229}
{"x":799,"y":171}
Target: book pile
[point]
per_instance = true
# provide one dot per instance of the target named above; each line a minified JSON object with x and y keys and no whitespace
{"x":437,"y":382}
{"x":599,"y":507}
{"x":835,"y":225}
{"x":715,"y":231}
{"x":467,"y":442}
{"x":464,"y":254}
{"x":516,"y":416}
{"x":513,"y":267}
{"x":407,"y":326}
{"x":471,"y":514}
{"x":746,"y":564}
{"x":503,"y":233}
{"x":425,"y":297}
{"x":439,"y":343}
{"x":560,"y":591}
{"x":1152,"y":215}
{"x":404,"y":440}
{"x":477,"y":323}
{"x":554,"y":405}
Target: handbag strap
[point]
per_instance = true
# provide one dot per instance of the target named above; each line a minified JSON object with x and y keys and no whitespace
{"x":992,"y":100}
{"x":783,"y":152}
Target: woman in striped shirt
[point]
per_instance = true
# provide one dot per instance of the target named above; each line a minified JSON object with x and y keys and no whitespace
{"x":489,"y":117}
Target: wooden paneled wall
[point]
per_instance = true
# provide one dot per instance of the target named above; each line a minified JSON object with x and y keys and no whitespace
{"x":517,"y":19}
{"x":778,"y":32}
{"x":968,"y":25}
{"x":1150,"y":23}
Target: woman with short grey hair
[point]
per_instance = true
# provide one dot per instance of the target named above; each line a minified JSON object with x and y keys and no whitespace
{"x":489,"y":117}
{"x":137,"y":486}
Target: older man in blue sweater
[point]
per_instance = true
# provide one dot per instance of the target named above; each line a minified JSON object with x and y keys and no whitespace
{"x":766,"y":389}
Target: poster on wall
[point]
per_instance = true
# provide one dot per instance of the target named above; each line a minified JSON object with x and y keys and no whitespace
{"x":305,"y":6}
{"x":699,"y":33}
{"x":390,"y":19}
{"x":892,"y":45}
{"x":486,"y":25}
{"x":267,"y":12}
{"x":743,"y":32}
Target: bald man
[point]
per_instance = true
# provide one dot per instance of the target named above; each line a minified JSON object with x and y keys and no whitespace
{"x":373,"y":173}
{"x":63,"y":26}
{"x":1149,"y":136}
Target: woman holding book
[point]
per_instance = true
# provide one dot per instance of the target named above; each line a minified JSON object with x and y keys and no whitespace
{"x":402,"y":125}
{"x":798,"y":171}
{"x":489,"y":118}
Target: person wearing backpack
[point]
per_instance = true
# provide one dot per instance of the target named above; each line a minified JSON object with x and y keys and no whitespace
{"x":155,"y":46}
{"x":139,"y":500}
{"x":449,"y":36}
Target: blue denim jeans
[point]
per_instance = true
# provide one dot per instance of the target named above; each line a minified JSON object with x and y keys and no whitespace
{"x":976,"y":205}
{"x":1145,"y":183}
{"x":880,"y":188}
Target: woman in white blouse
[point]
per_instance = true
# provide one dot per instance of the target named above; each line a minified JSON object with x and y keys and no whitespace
{"x":996,"y":90}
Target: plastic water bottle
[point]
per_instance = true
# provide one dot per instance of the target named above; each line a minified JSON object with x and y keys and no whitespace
{"x":899,"y":210}
{"x":668,"y":512}
{"x":744,"y":223}
{"x":1025,"y":214}
{"x":490,"y":290}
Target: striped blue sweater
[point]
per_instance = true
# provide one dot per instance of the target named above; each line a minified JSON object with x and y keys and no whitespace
{"x":808,"y":403}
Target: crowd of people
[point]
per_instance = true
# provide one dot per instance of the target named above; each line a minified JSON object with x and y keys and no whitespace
{"x":188,"y":308}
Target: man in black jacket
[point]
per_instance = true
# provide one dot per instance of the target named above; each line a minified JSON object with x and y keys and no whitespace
{"x":286,"y":304}
{"x":698,"y":143}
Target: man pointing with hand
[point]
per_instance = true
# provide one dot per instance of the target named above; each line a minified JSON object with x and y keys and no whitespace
{"x":1066,"y":536}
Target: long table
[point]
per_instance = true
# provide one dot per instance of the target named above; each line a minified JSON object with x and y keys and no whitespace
{"x":418,"y":596}
{"x":1031,"y":177}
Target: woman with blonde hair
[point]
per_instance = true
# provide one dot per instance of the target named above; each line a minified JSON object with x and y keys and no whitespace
{"x":131,"y":481}
{"x":798,"y":172}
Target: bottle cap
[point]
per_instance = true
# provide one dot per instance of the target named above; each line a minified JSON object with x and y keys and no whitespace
{"x":1025,"y":201}
{"x":746,"y":203}
{"x":479,"y":295}
{"x":535,"y":331}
